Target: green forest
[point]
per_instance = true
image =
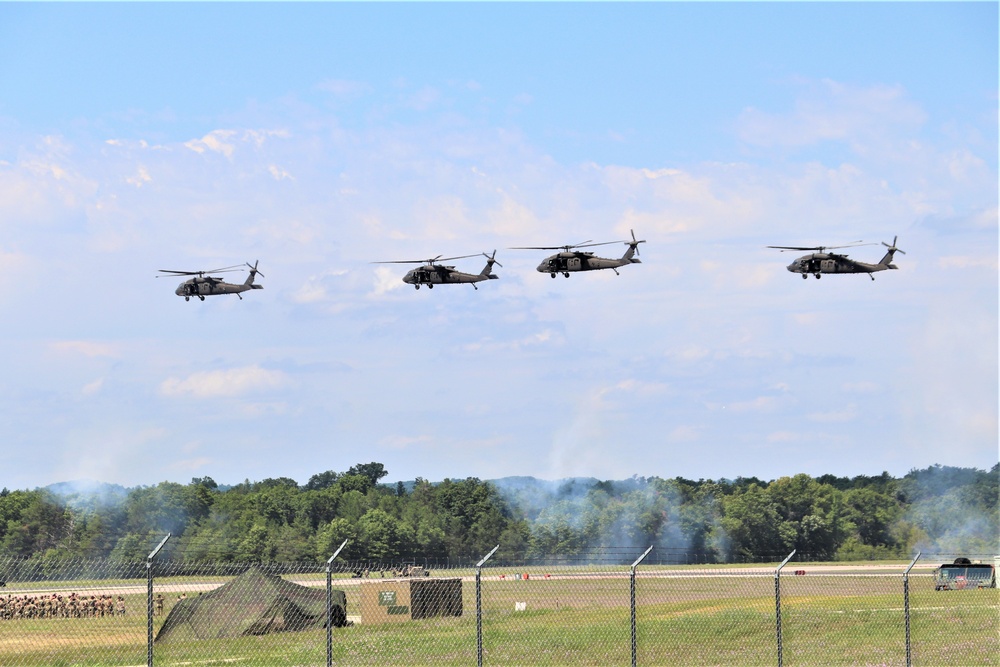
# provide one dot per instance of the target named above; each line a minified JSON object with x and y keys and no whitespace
{"x":939,"y":509}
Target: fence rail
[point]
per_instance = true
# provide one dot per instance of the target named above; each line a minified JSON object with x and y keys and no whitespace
{"x":598,"y":611}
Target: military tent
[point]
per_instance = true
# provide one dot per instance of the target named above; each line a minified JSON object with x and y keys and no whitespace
{"x":254,"y":603}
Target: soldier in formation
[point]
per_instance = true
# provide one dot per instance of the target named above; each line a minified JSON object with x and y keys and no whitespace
{"x":60,"y":606}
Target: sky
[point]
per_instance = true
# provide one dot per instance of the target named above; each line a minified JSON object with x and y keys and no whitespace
{"x":320,"y":138}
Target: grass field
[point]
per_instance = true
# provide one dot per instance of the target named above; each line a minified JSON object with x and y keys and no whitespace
{"x":576,"y":617}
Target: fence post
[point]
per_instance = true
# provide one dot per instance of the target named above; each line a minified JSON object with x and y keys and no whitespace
{"x":906,"y":608}
{"x":329,"y":603}
{"x":479,"y":608}
{"x":149,"y":600}
{"x":777,"y":603}
{"x":632,"y":598}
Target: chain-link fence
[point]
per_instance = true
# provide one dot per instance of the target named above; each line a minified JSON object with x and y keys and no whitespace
{"x":597,"y":609}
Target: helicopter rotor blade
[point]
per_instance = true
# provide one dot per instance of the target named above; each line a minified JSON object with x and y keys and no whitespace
{"x":591,"y":245}
{"x":568,"y":248}
{"x":634,"y":243}
{"x":448,"y":259}
{"x":821,"y":248}
{"x":493,"y":258}
{"x":893,"y":246}
{"x":225,"y":269}
{"x":179,"y":273}
{"x":254,"y":268}
{"x":431,"y":261}
{"x":852,"y":244}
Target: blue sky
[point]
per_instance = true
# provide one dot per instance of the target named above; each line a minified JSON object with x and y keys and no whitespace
{"x":319,"y":138}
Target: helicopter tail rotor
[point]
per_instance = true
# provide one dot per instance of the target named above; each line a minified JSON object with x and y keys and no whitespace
{"x":633,"y":249}
{"x":887,"y":260}
{"x":490,"y":261}
{"x":253,"y":274}
{"x":893,"y":246}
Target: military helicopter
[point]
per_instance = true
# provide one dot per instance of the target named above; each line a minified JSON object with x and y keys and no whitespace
{"x":432,"y":273}
{"x":821,"y":262}
{"x":571,"y":260}
{"x":203,"y":285}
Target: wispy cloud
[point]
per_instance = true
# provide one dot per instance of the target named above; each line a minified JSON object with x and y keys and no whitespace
{"x":216,"y":141}
{"x":85,"y":348}
{"x":225,"y":383}
{"x":828,"y":110}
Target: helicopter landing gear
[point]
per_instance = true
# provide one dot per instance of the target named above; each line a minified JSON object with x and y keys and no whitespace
{"x":817,"y":276}
{"x":187,"y":298}
{"x":429,"y":286}
{"x":416,"y":287}
{"x":565,"y":274}
{"x":552,"y":275}
{"x":201,"y":297}
{"x":805,"y":276}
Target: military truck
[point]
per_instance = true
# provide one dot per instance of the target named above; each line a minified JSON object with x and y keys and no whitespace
{"x":963,"y":574}
{"x":411,"y":571}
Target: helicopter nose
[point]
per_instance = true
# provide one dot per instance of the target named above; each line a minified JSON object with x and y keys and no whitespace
{"x":179,"y":291}
{"x":791,"y":267}
{"x":543,"y":267}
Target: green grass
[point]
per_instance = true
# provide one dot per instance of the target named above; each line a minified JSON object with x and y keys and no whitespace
{"x":831,"y":620}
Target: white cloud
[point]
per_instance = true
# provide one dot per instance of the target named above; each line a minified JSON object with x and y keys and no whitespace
{"x":968,"y":262}
{"x":545,"y":337}
{"x":863,"y":387}
{"x":140,"y":178}
{"x":187,"y":466}
{"x":217,"y":141}
{"x":344,"y":88}
{"x":849,"y":413}
{"x":423,"y":99}
{"x":279,"y":173}
{"x":316,"y":288}
{"x":512,"y":218}
{"x":406,"y":441}
{"x":93,"y":387}
{"x":684,"y":434}
{"x":85,"y":348}
{"x":387,"y":280}
{"x":631,"y":386}
{"x":759,"y":404}
{"x":832,"y":111}
{"x":226,"y":383}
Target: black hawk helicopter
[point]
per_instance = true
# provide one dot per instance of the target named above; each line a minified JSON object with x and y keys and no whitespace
{"x":571,"y":260}
{"x":203,"y":285}
{"x":821,"y":262}
{"x":432,"y":273}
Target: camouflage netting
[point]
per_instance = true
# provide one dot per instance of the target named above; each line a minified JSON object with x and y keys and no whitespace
{"x":254,"y":603}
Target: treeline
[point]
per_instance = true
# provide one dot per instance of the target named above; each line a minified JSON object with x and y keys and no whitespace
{"x":937,"y":509}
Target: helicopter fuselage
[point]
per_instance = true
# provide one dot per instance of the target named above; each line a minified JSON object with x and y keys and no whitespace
{"x":432,"y":275}
{"x":202,"y":287}
{"x":822,"y":262}
{"x":571,"y":262}
{"x":203,"y":284}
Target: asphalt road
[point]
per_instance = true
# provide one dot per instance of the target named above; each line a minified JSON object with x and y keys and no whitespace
{"x":172,"y":589}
